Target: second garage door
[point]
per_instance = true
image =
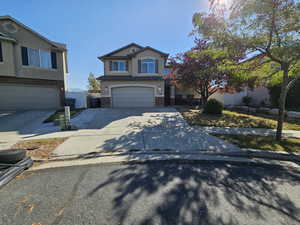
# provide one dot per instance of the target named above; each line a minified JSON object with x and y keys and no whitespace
{"x":27,"y":97}
{"x":133,"y":97}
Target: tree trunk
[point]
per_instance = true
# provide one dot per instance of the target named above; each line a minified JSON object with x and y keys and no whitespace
{"x":204,"y":100}
{"x":282,"y":101}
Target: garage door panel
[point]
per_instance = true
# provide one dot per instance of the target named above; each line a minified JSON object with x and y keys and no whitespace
{"x":23,"y":97}
{"x":133,"y":97}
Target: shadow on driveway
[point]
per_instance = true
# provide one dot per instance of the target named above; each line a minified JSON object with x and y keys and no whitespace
{"x":164,"y":132}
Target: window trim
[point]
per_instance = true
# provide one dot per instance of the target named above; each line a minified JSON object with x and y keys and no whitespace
{"x":154,"y":65}
{"x":40,"y":60}
{"x":118,"y":62}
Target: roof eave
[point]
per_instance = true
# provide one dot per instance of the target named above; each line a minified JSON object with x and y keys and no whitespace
{"x":120,"y":49}
{"x":8,"y":39}
{"x":32,"y":31}
{"x":149,"y":48}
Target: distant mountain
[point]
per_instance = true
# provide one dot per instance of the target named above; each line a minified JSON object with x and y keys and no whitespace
{"x":76,"y":90}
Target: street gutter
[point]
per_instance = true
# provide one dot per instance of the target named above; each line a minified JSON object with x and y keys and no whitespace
{"x":143,"y":157}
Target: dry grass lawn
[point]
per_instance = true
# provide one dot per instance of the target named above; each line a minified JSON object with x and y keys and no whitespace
{"x":234,"y":119}
{"x":39,"y":148}
{"x":290,"y":145}
{"x":54,"y":116}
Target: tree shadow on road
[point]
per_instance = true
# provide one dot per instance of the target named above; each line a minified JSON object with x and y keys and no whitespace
{"x":203,"y":194}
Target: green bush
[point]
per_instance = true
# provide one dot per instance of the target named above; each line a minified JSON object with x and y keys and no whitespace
{"x":247,"y":100}
{"x":292,"y":98}
{"x":213,"y":106}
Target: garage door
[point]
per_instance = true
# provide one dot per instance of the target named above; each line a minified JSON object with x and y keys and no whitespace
{"x":24,"y":97}
{"x":133,"y":97}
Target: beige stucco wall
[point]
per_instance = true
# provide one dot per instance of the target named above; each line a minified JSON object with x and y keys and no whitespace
{"x":145,"y":54}
{"x":125,"y":51}
{"x":28,"y":39}
{"x":133,"y":63}
{"x":7,"y":66}
{"x":107,"y":85}
{"x":125,"y":73}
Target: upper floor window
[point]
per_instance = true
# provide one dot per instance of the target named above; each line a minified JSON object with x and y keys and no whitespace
{"x":1,"y":54}
{"x":148,"y":66}
{"x":118,"y":66}
{"x":38,"y":58}
{"x":166,"y":71}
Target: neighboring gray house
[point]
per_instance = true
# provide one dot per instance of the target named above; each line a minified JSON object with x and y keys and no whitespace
{"x":133,"y":77}
{"x":33,"y":69}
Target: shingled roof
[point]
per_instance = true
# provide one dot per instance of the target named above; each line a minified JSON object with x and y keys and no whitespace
{"x":141,"y":49}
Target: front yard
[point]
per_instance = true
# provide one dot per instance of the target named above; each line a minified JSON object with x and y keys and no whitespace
{"x":56,"y":115}
{"x":39,"y":148}
{"x":291,"y":145}
{"x":234,"y":119}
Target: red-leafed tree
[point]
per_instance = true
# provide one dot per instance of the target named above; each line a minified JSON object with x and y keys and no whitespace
{"x":202,"y":69}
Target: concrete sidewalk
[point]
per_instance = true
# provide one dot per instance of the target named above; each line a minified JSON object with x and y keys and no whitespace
{"x":249,"y":131}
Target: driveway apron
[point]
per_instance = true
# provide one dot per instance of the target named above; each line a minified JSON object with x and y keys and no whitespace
{"x":138,"y":129}
{"x":13,"y":125}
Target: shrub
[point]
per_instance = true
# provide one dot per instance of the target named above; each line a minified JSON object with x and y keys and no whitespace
{"x":247,"y":100}
{"x":292,"y":98}
{"x":213,"y":106}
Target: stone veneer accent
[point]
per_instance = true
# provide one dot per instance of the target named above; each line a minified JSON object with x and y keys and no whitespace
{"x":159,"y":101}
{"x":105,"y":102}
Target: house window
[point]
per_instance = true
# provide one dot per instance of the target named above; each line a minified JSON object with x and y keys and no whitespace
{"x":166,"y":71}
{"x":38,"y":58}
{"x":45,"y":58}
{"x":33,"y":57}
{"x":1,"y":54}
{"x":148,"y":66}
{"x":118,"y":66}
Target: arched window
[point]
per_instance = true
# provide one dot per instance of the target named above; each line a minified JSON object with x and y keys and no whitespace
{"x":148,"y":66}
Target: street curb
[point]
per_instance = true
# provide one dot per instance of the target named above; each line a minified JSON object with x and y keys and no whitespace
{"x":231,"y":160}
{"x":136,"y":158}
{"x":257,"y":153}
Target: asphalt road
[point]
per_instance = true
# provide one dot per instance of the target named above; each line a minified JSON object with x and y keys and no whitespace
{"x":154,"y":193}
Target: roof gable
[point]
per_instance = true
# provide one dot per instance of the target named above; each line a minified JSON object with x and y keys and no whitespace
{"x":54,"y":44}
{"x":120,"y":49}
{"x":151,"y":49}
{"x":142,"y":49}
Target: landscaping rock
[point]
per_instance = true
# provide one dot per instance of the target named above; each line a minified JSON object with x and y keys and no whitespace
{"x":229,"y":107}
{"x":293,"y":114}
{"x":274,"y":111}
{"x":251,"y":109}
{"x":263,"y":110}
{"x":241,"y":108}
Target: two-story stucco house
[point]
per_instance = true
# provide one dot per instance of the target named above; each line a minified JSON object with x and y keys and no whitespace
{"x":133,"y":77}
{"x":33,"y":69}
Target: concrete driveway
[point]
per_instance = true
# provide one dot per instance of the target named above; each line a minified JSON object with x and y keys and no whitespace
{"x":13,"y":125}
{"x":138,"y":129}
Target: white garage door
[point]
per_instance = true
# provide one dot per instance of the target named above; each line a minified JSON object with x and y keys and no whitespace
{"x":24,"y":97}
{"x":133,"y":97}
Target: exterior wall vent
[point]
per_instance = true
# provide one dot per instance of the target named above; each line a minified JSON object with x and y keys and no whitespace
{"x":10,"y":27}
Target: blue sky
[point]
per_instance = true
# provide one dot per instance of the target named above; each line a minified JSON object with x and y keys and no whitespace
{"x":95,"y":27}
